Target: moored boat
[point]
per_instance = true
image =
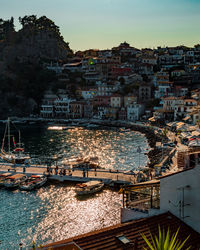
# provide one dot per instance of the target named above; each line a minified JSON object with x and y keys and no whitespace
{"x":89,"y":187}
{"x":17,"y":155}
{"x":33,"y":182}
{"x":3,"y":178}
{"x":14,"y":181}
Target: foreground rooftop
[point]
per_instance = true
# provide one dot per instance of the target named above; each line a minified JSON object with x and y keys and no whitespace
{"x":129,"y":235}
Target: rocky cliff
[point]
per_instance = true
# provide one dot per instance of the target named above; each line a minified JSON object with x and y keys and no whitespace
{"x":23,"y":79}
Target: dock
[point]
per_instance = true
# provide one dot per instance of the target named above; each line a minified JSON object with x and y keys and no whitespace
{"x":76,"y":175}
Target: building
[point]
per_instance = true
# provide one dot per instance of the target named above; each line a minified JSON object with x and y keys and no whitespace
{"x":88,"y":93}
{"x":129,"y":99}
{"x":144,"y":92}
{"x":129,"y":235}
{"x":183,"y":107}
{"x":47,"y":107}
{"x":134,"y":111}
{"x":102,"y":100}
{"x":116,"y":101}
{"x":76,"y":110}
{"x":61,"y":106}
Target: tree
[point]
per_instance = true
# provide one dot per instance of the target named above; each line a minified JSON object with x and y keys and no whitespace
{"x":6,"y":28}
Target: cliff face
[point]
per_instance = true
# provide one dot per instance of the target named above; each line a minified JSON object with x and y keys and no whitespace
{"x":39,"y":39}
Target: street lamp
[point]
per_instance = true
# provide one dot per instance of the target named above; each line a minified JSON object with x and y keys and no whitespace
{"x":139,"y":151}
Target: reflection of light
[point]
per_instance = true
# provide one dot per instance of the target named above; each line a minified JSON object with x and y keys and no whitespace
{"x":67,"y":216}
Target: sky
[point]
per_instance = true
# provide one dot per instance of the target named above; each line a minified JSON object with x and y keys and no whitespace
{"x":102,"y":24}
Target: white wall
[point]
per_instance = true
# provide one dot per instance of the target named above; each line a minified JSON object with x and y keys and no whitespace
{"x":130,"y":214}
{"x":171,"y":196}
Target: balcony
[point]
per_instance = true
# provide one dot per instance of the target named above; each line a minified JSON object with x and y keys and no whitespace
{"x":142,"y":197}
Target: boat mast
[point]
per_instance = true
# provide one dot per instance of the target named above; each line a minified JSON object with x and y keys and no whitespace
{"x":19,"y":139}
{"x":8,"y":134}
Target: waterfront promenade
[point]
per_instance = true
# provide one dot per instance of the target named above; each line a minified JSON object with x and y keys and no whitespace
{"x":107,"y":176}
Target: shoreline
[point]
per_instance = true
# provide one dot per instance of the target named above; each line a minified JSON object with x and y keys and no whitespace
{"x":154,"y":153}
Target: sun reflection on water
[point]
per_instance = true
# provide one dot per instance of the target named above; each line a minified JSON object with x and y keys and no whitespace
{"x":69,"y":216}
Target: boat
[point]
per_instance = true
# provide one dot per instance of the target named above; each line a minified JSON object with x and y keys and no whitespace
{"x":89,"y":187}
{"x":33,"y":182}
{"x":56,"y":128}
{"x":3,"y":178}
{"x":17,"y":155}
{"x":14,"y":181}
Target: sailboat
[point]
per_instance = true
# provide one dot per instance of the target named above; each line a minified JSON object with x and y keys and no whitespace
{"x":17,"y":155}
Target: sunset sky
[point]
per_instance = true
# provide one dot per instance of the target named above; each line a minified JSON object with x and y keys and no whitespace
{"x":105,"y":23}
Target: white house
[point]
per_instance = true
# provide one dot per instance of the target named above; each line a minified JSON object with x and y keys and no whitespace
{"x":179,"y":194}
{"x":116,"y":101}
{"x":184,"y":107}
{"x":134,"y":111}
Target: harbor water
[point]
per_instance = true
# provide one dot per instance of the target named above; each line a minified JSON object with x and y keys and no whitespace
{"x":54,"y":212}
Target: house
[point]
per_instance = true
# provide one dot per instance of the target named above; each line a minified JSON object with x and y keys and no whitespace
{"x":106,"y":89}
{"x":129,"y":99}
{"x":73,"y":67}
{"x":160,"y":77}
{"x":146,"y":69}
{"x":144,"y":92}
{"x":149,"y":59}
{"x":183,"y":107}
{"x":176,"y":73}
{"x":124,"y":49}
{"x":88,"y":110}
{"x":47,"y":107}
{"x":76,"y":109}
{"x":61,"y":106}
{"x":179,"y":194}
{"x":116,"y":101}
{"x":176,"y":192}
{"x":130,"y":78}
{"x":88,"y":92}
{"x":180,"y":91}
{"x":102,"y":100}
{"x":122,"y":114}
{"x":120,"y":71}
{"x":164,"y":89}
{"x":112,"y":113}
{"x":134,"y":111}
{"x":102,"y":112}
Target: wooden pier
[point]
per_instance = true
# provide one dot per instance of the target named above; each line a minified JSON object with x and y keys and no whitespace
{"x":77,"y":175}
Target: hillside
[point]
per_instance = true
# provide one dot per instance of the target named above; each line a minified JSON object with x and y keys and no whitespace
{"x":22,"y":56}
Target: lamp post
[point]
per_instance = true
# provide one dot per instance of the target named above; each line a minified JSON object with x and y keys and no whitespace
{"x":139,"y":151}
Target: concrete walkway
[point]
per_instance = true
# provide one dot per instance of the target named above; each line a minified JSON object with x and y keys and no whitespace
{"x":76,"y":175}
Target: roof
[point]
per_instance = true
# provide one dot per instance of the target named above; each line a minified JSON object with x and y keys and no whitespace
{"x":108,"y":238}
{"x":145,"y":184}
{"x":170,"y":174}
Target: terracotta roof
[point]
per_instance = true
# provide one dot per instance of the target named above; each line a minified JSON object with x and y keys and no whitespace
{"x":108,"y":238}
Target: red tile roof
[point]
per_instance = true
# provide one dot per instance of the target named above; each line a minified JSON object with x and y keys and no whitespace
{"x":107,"y":238}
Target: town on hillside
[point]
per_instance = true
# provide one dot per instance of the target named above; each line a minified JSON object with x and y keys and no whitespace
{"x":124,"y":83}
